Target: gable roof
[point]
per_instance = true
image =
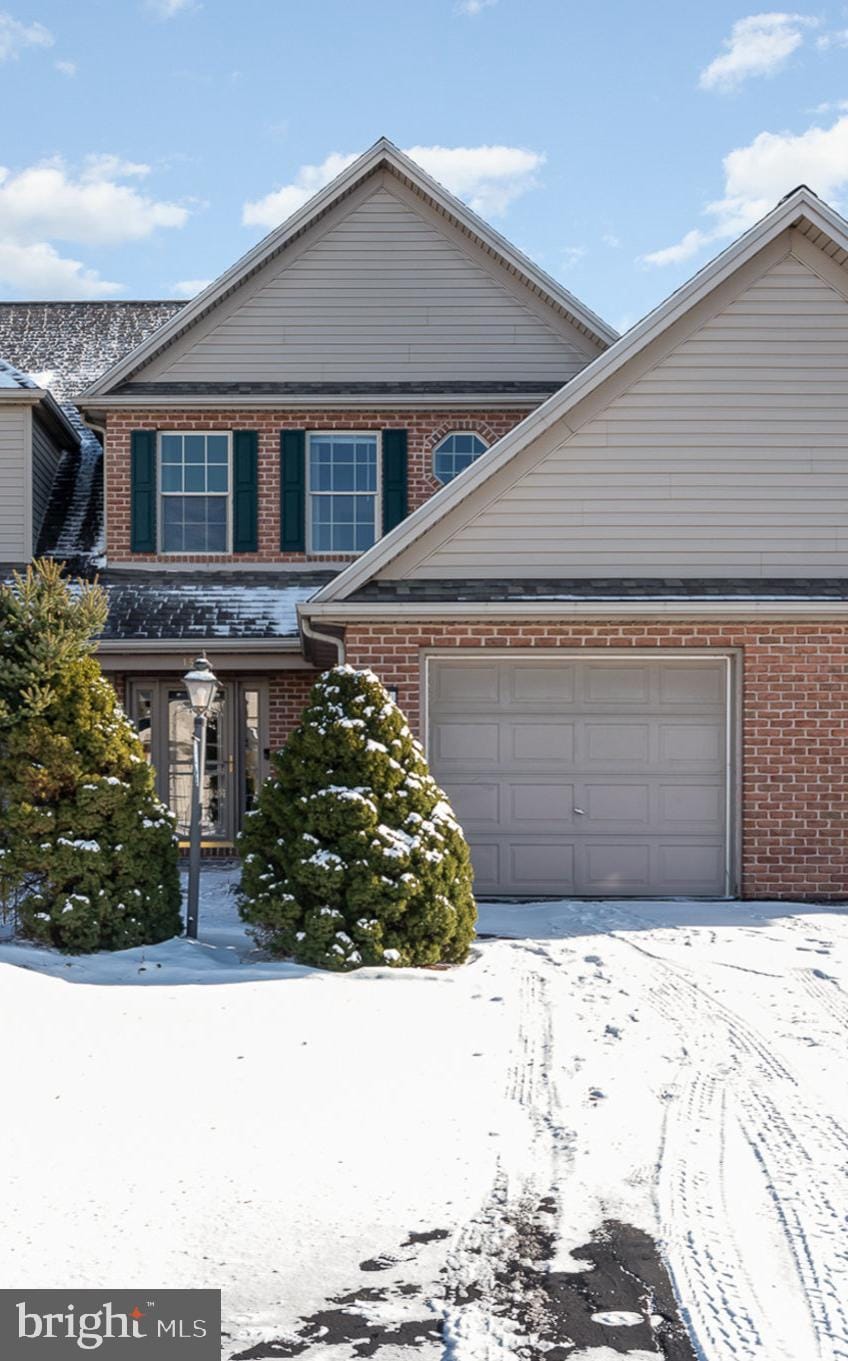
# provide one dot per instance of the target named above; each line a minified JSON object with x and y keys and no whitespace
{"x":68,"y":345}
{"x":382,"y":156}
{"x":801,"y":209}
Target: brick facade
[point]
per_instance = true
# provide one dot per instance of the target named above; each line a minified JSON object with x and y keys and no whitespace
{"x":794,"y":725}
{"x":425,"y":429}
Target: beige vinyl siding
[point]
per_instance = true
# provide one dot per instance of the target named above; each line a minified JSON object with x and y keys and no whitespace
{"x":728,"y":457}
{"x":14,"y":483}
{"x":45,"y":461}
{"x":388,"y":292}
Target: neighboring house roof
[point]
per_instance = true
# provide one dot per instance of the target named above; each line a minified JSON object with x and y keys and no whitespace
{"x":249,"y":606}
{"x":67,"y":345}
{"x":10,"y":377}
{"x":73,"y":528}
{"x":383,"y":156}
{"x":801,"y":209}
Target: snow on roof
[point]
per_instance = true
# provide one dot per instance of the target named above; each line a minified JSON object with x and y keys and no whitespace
{"x":10,"y":377}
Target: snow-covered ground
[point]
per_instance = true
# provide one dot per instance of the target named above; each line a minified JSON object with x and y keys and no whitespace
{"x":403,"y":1141}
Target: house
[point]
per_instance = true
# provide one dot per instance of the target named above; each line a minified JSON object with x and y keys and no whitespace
{"x":605,"y":577}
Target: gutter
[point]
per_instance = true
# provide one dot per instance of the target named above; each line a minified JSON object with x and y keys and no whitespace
{"x":497,"y":401}
{"x":230,"y":644}
{"x":645,"y":608}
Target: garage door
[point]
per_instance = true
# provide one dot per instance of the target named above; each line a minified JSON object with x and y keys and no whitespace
{"x":586,"y":777}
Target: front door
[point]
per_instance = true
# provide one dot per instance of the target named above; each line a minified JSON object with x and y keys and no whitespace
{"x":235,"y":751}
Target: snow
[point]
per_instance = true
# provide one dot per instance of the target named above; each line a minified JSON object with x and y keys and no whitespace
{"x":195,"y":1114}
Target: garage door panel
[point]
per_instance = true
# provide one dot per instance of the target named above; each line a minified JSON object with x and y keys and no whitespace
{"x":619,"y":744}
{"x":528,"y":742}
{"x":608,"y":683}
{"x":460,"y":684}
{"x":528,"y":685}
{"x":691,"y":867}
{"x":691,"y":744}
{"x":617,"y":866}
{"x":639,"y":746}
{"x":540,"y":804}
{"x":699,"y":805}
{"x":627,"y":805}
{"x":692,"y":683}
{"x":542,"y":865}
{"x":476,"y":805}
{"x":486,"y":857}
{"x":467,"y":742}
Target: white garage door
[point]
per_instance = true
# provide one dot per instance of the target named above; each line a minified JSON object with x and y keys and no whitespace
{"x":588,"y":777}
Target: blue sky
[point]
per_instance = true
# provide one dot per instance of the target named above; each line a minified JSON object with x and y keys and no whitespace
{"x":150,"y":142}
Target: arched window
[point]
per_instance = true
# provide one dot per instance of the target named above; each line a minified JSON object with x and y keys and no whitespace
{"x":455,"y":452}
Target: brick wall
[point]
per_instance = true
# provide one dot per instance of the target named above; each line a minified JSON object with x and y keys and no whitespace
{"x":794,"y":725}
{"x":425,"y":429}
{"x":287,"y":693}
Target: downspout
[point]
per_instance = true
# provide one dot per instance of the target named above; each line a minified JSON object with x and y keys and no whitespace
{"x":318,"y":637}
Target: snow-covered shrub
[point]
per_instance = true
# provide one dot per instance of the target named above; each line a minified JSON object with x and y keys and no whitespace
{"x":353,"y":855}
{"x":86,"y":843}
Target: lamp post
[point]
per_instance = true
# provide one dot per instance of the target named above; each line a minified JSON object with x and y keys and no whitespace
{"x":201,"y":684}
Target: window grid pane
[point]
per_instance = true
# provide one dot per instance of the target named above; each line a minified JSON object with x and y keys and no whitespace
{"x":194,"y":488}
{"x":342,"y":486}
{"x":455,"y":453}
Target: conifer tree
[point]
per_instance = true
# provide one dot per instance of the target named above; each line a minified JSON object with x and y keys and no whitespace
{"x":86,"y":845}
{"x":353,"y":855}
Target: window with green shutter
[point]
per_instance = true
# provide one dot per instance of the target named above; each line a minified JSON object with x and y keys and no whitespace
{"x":395,"y":478}
{"x":245,"y":491}
{"x":293,"y":491}
{"x":143,"y":491}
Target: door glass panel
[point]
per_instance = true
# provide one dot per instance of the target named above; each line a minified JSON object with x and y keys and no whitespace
{"x":213,"y":788}
{"x":142,"y":717}
{"x":250,"y":749}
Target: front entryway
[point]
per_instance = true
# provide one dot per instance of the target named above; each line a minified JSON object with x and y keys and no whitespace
{"x":585,"y":776}
{"x":235,"y":750}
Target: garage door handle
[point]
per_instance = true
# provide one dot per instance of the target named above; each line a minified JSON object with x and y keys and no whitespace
{"x":581,"y":811}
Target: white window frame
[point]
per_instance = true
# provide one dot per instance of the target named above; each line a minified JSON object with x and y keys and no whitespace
{"x":440,"y":441}
{"x":377,"y":493}
{"x":227,"y":496}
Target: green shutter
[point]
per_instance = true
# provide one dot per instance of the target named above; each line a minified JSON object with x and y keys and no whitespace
{"x":143,"y":491}
{"x":395,"y":497}
{"x":293,"y":491}
{"x":245,"y":491}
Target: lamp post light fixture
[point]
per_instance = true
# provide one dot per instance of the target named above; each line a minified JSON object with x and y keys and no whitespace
{"x":201,"y":684}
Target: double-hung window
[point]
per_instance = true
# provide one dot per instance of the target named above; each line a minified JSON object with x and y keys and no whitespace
{"x":343,"y":492}
{"x":194,"y":493}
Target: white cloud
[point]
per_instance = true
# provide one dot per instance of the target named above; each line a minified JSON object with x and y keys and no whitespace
{"x":759,"y":45}
{"x":572,"y":255}
{"x":473,"y":7}
{"x":15,"y":36}
{"x":758,"y":175}
{"x":37,"y":270}
{"x":610,"y":239}
{"x":489,"y":178}
{"x":169,"y":9}
{"x":838,"y":38}
{"x":189,"y":288}
{"x":67,"y":68}
{"x":47,"y":202}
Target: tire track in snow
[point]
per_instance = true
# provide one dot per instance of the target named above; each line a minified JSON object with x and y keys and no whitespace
{"x":827,"y":993}
{"x":774,"y":1117}
{"x":482,"y":1248}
